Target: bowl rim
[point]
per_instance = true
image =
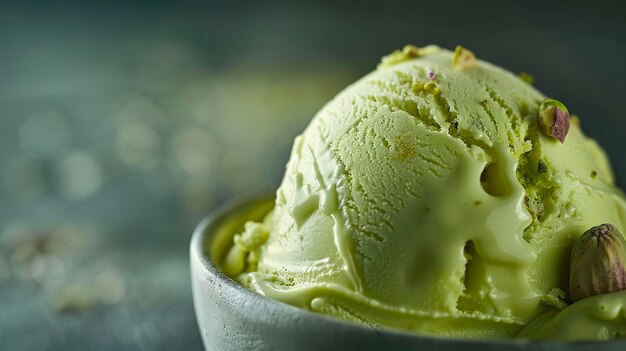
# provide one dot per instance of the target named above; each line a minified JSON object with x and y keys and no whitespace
{"x":200,"y":251}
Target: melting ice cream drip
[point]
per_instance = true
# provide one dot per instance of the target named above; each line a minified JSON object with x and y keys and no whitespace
{"x":322,"y":195}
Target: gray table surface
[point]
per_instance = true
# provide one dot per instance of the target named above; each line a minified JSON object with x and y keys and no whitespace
{"x":122,"y":125}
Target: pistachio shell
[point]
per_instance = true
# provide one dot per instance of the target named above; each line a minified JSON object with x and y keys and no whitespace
{"x":597,"y":263}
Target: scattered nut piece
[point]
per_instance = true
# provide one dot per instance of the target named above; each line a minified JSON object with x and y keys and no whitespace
{"x":554,"y":119}
{"x":417,"y":88}
{"x":411,"y":51}
{"x":526,"y":78}
{"x":431,"y":87}
{"x":463,"y":58}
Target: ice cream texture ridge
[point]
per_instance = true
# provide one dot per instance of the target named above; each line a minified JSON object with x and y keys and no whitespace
{"x":439,"y":194}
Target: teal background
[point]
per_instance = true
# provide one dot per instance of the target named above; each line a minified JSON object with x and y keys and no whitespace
{"x":122,"y":124}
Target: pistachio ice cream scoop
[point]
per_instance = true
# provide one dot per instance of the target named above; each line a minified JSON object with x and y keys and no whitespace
{"x":440,"y":194}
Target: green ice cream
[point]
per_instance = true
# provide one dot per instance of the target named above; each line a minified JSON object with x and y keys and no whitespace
{"x":426,"y":196}
{"x":601,"y":317}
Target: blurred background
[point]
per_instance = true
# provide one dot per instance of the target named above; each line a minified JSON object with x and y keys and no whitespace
{"x":122,"y":124}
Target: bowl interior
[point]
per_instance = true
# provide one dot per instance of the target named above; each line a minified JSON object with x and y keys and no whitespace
{"x":230,"y":221}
